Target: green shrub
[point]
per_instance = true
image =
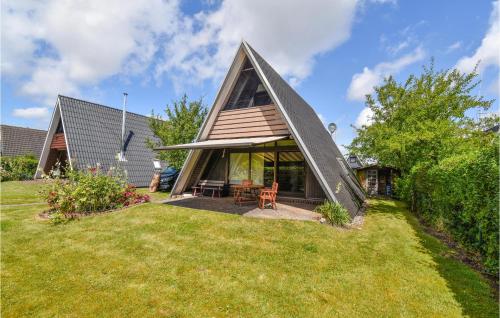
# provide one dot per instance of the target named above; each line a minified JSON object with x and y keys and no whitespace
{"x":18,"y":168}
{"x":334,"y":213}
{"x":84,"y":192}
{"x":460,"y":195}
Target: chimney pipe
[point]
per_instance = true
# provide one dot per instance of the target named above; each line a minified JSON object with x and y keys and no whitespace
{"x":122,"y":150}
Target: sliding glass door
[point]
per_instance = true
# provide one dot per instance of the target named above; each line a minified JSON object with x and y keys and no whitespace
{"x":255,"y":166}
{"x":286,"y":167}
{"x":291,"y":173}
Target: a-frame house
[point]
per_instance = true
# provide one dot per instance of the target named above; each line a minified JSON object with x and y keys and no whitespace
{"x":83,"y":134}
{"x":259,"y":128}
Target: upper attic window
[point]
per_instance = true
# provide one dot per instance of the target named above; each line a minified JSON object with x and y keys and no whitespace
{"x":59,"y":128}
{"x":248,"y":90}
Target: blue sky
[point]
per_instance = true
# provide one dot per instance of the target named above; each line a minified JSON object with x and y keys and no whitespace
{"x":332,"y":52}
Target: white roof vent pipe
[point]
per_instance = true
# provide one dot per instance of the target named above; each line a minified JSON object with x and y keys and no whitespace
{"x":121,"y":155}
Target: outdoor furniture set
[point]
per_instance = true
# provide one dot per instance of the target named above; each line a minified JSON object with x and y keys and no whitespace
{"x":243,"y":193}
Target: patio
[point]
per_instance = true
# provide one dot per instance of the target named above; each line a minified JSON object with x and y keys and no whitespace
{"x":284,"y":210}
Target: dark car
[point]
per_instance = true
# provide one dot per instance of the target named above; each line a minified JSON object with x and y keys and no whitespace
{"x":167,"y":178}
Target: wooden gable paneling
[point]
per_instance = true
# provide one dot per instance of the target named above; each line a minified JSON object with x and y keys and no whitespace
{"x":58,"y":142}
{"x":258,"y":121}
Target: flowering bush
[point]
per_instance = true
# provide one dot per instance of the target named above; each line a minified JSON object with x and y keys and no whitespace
{"x":130,"y":196}
{"x":85,"y":192}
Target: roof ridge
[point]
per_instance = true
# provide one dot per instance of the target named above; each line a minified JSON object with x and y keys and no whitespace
{"x":101,"y":105}
{"x":23,"y":127}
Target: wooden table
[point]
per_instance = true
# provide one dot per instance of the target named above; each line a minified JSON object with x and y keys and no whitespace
{"x":239,"y":191}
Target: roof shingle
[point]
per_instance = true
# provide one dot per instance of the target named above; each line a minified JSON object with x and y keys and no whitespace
{"x":93,"y":132}
{"x":18,"y":141}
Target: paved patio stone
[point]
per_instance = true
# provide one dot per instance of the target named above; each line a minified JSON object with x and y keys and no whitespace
{"x":289,"y":211}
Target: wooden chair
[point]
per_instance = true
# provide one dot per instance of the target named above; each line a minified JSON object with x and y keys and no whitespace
{"x":241,"y":191}
{"x":268,"y":195}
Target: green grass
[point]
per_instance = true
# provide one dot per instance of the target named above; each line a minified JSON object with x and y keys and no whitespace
{"x":158,"y":260}
{"x":155,"y":196}
{"x":21,"y":192}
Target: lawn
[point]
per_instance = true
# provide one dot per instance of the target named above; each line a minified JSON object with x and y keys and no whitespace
{"x":160,"y":260}
{"x":155,"y":196}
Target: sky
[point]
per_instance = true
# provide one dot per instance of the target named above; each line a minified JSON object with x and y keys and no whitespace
{"x":331,"y":52}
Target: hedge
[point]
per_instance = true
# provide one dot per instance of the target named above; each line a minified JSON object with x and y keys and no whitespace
{"x":460,"y":195}
{"x":18,"y":168}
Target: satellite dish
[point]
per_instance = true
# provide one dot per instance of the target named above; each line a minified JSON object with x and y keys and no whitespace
{"x":332,"y":127}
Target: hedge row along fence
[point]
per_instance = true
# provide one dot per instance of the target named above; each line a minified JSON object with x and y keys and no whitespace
{"x":460,"y":195}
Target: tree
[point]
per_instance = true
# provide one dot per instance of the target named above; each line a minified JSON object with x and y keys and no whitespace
{"x":181,"y":125}
{"x":421,"y":120}
{"x":449,"y":163}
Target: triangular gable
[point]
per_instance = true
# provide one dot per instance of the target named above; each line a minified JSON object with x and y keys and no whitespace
{"x":321,"y":153}
{"x":248,"y":110}
{"x":55,"y":126}
{"x":93,"y":136}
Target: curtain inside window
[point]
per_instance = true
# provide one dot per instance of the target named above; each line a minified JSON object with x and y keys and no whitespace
{"x":258,"y":168}
{"x":239,"y":164}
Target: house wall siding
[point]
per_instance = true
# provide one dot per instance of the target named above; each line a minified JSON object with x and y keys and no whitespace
{"x":256,"y":121}
{"x":58,"y":142}
{"x":313,"y":188}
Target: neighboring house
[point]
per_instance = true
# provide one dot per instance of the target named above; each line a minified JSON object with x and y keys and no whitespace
{"x":259,"y":128}
{"x":375,"y":179}
{"x":19,"y":141}
{"x":84,"y":134}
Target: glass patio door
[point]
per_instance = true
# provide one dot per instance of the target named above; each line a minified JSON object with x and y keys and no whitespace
{"x":291,"y":173}
{"x":255,"y":166}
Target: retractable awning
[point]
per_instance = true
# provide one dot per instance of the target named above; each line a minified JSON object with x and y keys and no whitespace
{"x":224,"y":143}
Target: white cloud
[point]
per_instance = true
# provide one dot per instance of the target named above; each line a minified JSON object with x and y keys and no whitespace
{"x":395,"y":49}
{"x":32,"y":113}
{"x":494,"y":87}
{"x":54,"y":46}
{"x":488,"y":53}
{"x":384,"y":1}
{"x":60,"y":46}
{"x":364,"y":118}
{"x":363,"y":83}
{"x":288,"y":33}
{"x":453,"y":47}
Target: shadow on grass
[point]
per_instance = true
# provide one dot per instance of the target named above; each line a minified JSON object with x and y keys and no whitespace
{"x":470,"y":289}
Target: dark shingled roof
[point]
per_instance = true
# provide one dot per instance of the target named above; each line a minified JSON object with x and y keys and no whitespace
{"x":93,"y":132}
{"x":18,"y":141}
{"x":316,"y":140}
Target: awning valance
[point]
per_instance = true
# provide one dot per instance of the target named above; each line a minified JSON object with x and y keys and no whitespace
{"x":224,"y":143}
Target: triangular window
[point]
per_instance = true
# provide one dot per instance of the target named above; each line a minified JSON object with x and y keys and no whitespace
{"x":248,"y":90}
{"x":59,"y":128}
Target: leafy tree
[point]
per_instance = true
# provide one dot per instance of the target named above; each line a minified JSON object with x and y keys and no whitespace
{"x":421,"y":120}
{"x":183,"y":120}
{"x":448,"y":162}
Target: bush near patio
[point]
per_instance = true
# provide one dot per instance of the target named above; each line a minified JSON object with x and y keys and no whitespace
{"x":85,"y":192}
{"x":18,"y":168}
{"x":449,"y":161}
{"x":334,"y":213}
